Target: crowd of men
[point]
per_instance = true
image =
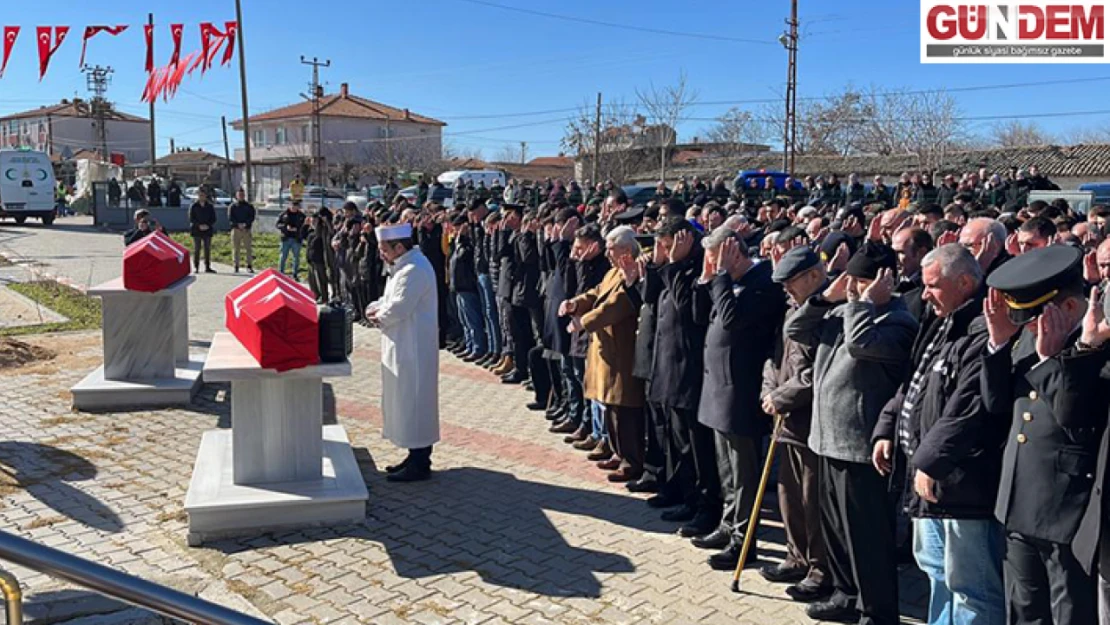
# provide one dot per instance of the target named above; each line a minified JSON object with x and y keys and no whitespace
{"x":930,"y":368}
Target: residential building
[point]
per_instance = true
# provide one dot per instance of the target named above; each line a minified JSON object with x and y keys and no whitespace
{"x":361,"y":141}
{"x":61,"y":130}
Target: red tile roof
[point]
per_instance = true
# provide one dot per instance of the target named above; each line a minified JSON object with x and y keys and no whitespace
{"x":343,"y":104}
{"x":552,"y":161}
{"x":77,"y":108}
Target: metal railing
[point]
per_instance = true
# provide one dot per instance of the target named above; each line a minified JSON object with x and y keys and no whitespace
{"x":108,"y":582}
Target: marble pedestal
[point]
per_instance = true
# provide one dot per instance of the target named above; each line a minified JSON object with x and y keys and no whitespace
{"x":146,"y":350}
{"x":279,"y":466}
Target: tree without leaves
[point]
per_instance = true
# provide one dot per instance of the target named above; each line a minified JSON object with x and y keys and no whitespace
{"x":616,"y":161}
{"x":735,"y":129}
{"x":1017,"y":133}
{"x":511,"y":153}
{"x":665,"y":106}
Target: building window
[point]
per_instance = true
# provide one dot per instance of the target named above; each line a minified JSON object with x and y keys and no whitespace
{"x":280,"y":139}
{"x":306,"y":133}
{"x":259,"y":137}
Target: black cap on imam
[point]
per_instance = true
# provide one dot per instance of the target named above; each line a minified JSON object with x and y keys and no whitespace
{"x":1035,"y":278}
{"x":631,"y":216}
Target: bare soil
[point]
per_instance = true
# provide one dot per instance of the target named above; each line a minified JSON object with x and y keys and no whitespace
{"x":15,"y":353}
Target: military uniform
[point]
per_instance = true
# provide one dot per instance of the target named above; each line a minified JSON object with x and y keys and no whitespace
{"x":1049,"y":463}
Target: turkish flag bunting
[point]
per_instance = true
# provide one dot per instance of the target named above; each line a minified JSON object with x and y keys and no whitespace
{"x":230,"y":31}
{"x":148,"y":30}
{"x":91,"y":31}
{"x":46,"y":47}
{"x":10,"y":35}
{"x":178,"y":74}
{"x":175,"y":32}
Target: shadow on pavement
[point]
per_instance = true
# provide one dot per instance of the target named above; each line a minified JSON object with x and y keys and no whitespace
{"x":44,"y":471}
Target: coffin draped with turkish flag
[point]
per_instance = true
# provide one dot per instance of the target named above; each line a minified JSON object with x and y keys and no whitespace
{"x":276,"y":320}
{"x":153,"y":263}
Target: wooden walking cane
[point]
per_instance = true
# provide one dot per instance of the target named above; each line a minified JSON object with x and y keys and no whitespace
{"x":749,"y":535}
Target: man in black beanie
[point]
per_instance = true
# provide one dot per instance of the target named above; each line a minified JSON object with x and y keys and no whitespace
{"x":863,"y":335}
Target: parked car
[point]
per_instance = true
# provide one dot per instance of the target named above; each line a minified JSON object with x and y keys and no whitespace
{"x":218,"y":196}
{"x":744,"y":177}
{"x":638,"y":195}
{"x":488,"y":176}
{"x":314,"y":197}
{"x":27,"y":186}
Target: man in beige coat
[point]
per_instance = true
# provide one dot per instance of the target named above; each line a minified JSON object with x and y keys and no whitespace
{"x":610,"y":317}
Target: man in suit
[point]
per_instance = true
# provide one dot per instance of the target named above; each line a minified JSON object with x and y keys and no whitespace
{"x":743,"y":308}
{"x":911,"y":245}
{"x":1044,"y":357}
{"x":609,"y":316}
{"x":863,"y":335}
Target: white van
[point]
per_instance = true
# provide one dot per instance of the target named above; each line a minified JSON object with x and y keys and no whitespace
{"x":488,"y":176}
{"x":27,"y":186}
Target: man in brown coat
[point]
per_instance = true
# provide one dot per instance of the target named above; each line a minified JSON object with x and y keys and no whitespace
{"x":610,"y":317}
{"x":788,"y":391}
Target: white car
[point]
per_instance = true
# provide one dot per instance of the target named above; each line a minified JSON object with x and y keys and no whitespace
{"x":221,"y":199}
{"x":313,"y":198}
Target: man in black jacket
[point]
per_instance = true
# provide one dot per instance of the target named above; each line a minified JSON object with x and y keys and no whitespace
{"x":520,"y":269}
{"x":240,"y":216}
{"x":911,"y":245}
{"x":290,"y":223}
{"x":464,"y":288}
{"x":477,"y":214}
{"x":561,"y":283}
{"x":429,"y":236}
{"x":743,"y":309}
{"x":590,"y":266}
{"x":937,"y":434}
{"x":1045,"y":354}
{"x":202,"y":223}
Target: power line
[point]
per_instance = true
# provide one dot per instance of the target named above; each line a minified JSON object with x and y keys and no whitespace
{"x":641,"y":29}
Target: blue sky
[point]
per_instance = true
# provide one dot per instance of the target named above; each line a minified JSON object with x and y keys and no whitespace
{"x":480,"y":67}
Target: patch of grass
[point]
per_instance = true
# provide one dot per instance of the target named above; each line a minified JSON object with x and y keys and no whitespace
{"x":267,"y":249}
{"x":82,"y":310}
{"x":50,"y":422}
{"x":44,"y":522}
{"x":178,"y":514}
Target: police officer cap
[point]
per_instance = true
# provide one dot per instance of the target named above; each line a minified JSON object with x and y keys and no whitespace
{"x":1035,"y":278}
{"x":833,"y":241}
{"x":633,"y":215}
{"x":795,"y":262}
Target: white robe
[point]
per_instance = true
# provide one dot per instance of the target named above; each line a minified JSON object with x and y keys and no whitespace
{"x":409,"y":317}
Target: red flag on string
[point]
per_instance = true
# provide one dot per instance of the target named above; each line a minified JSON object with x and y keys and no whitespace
{"x":46,"y":48}
{"x":230,"y":31}
{"x":175,"y":32}
{"x":10,"y":35}
{"x":148,"y":30}
{"x":178,"y":74}
{"x":92,"y":31}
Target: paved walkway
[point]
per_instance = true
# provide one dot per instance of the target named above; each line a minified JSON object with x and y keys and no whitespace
{"x":515,"y":527}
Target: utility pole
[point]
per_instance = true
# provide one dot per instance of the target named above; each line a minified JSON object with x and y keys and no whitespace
{"x":97,"y":79}
{"x":789,"y":40}
{"x":246,"y":110}
{"x":523,"y":152}
{"x":226,"y":177}
{"x":153,"y":143}
{"x":317,"y":92}
{"x":597,"y":137}
{"x":227,"y":152}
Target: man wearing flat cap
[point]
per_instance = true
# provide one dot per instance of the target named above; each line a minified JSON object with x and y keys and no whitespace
{"x":1046,"y":350}
{"x":788,"y":391}
{"x":862,"y":334}
{"x":408,"y":314}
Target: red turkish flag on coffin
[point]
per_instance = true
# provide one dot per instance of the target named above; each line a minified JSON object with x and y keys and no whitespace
{"x":276,"y":320}
{"x":153,"y":263}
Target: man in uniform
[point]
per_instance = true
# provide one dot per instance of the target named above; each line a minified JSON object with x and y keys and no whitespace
{"x":1042,"y":367}
{"x":407,"y":315}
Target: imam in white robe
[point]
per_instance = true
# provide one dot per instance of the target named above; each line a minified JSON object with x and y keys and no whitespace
{"x":408,"y":315}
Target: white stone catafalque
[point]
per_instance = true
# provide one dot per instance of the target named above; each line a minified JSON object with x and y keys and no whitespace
{"x":279,"y":466}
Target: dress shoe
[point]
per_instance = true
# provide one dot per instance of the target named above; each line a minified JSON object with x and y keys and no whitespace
{"x":513,"y":377}
{"x":779,"y":574}
{"x":472,"y":357}
{"x":209,"y":270}
{"x":505,"y":366}
{"x":460,"y":350}
{"x":727,"y":559}
{"x":646,"y":484}
{"x":411,"y":473}
{"x":611,"y":464}
{"x":663,"y":501}
{"x":624,"y":475}
{"x":555,"y":413}
{"x":563,"y":427}
{"x":394,"y":468}
{"x":527,"y":384}
{"x":488,"y":360}
{"x":717,"y":539}
{"x":535,"y":405}
{"x":579,"y":435}
{"x":601,"y":452}
{"x":680,"y":514}
{"x":808,"y":591}
{"x":832,"y":611}
{"x":702,"y":524}
{"x":587,"y":444}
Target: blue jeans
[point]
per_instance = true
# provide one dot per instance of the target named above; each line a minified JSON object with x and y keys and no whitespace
{"x":490,"y":315}
{"x":601,"y":430}
{"x":573,"y":387}
{"x":470,"y":313}
{"x":963,"y":559}
{"x":291,"y":245}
